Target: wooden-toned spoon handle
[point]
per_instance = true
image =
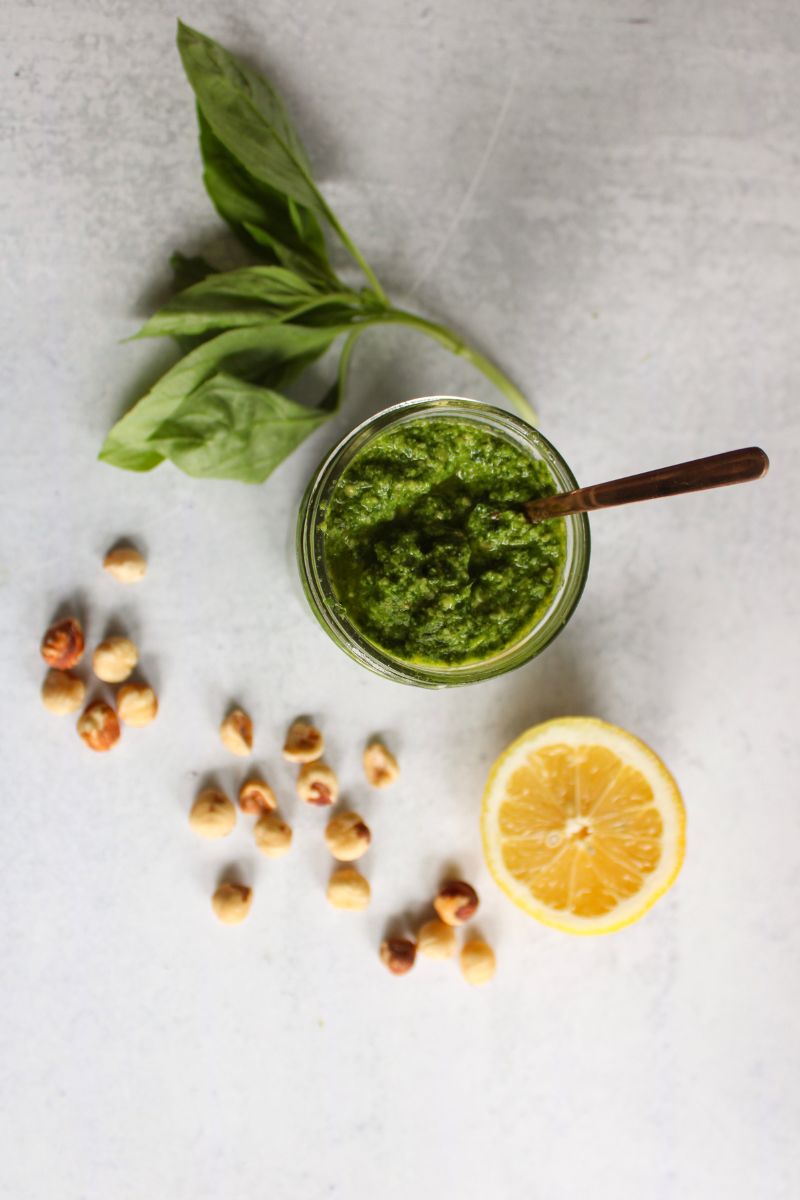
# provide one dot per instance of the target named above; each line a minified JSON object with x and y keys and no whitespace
{"x":719,"y":470}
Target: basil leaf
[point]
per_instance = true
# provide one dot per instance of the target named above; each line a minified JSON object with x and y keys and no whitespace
{"x":245,"y":297}
{"x":266,"y":354}
{"x":248,"y":117}
{"x":261,"y":216}
{"x":230,"y":429}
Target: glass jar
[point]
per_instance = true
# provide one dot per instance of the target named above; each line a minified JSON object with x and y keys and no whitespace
{"x":332,"y":615}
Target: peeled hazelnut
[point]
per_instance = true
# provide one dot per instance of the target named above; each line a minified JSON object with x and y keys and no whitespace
{"x":348,"y":889}
{"x":478,"y":963}
{"x":317,"y":784}
{"x":398,"y":954}
{"x":63,"y":644}
{"x":380,"y":765}
{"x":236,"y":732}
{"x":114,"y":659}
{"x":304,"y":743}
{"x":347,"y":836}
{"x":232,"y":902}
{"x":436,"y":940}
{"x":125,"y":564}
{"x":98,"y":726}
{"x":256,"y":796}
{"x":136,"y":704}
{"x":62,"y":693}
{"x":273,"y":836}
{"x":456,"y":902}
{"x":213,"y":814}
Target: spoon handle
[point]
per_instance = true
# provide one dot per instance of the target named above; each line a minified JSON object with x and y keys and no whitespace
{"x":719,"y":470}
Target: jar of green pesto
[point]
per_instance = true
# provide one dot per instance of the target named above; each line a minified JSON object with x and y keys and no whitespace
{"x":414,"y":551}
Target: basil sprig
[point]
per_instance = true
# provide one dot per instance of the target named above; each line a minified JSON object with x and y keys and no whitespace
{"x":219,"y":413}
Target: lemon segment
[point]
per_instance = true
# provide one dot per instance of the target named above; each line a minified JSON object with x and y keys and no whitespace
{"x":583,"y":826}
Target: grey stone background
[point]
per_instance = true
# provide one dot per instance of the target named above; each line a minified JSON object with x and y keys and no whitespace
{"x":604,"y":195}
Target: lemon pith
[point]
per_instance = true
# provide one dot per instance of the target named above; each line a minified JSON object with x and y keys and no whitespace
{"x":583,"y":826}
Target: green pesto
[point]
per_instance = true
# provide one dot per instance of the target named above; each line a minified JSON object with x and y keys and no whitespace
{"x":427,"y":548}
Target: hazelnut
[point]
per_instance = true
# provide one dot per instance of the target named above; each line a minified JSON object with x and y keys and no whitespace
{"x":273,"y":836}
{"x":213,"y":814}
{"x":478,"y":963}
{"x":304,"y":743}
{"x":317,"y":784}
{"x":236,"y":732}
{"x":348,"y":889}
{"x":347,"y":836}
{"x":436,"y":940}
{"x":125,"y":564}
{"x":256,"y":796}
{"x":62,"y":693}
{"x":136,"y":704}
{"x":98,"y":726}
{"x":114,"y":659}
{"x":232,"y":902}
{"x":380,"y":765}
{"x":398,"y":954}
{"x":456,"y":902}
{"x":63,"y":644}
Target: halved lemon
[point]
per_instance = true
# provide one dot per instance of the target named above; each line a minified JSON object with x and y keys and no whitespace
{"x":583,"y":826}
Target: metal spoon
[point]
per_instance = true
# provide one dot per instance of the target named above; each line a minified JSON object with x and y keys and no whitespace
{"x":719,"y":470}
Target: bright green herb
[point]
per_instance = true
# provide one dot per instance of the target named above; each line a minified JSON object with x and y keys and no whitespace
{"x":219,"y":412}
{"x":428,"y":549}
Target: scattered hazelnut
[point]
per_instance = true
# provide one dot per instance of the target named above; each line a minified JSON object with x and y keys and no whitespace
{"x":398,"y":954}
{"x":380,"y":765}
{"x":232,"y":902}
{"x":317,"y":784}
{"x":114,"y":659}
{"x":62,"y":693}
{"x":304,"y":743}
{"x":273,"y":836}
{"x":456,"y":902}
{"x":98,"y":726}
{"x":478,"y":963}
{"x":236,"y":732}
{"x":436,"y":940}
{"x":256,"y":796}
{"x":348,"y":889}
{"x":125,"y":564}
{"x":213,"y":814}
{"x":347,"y":836}
{"x":136,"y":704}
{"x":63,"y":644}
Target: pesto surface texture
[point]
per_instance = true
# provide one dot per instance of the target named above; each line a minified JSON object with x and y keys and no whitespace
{"x":427,"y":548}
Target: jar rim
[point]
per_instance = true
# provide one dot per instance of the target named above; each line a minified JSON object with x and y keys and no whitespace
{"x":330,"y":612}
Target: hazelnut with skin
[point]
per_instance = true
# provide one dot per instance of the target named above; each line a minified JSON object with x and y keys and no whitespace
{"x":136,"y":704}
{"x":63,"y":644}
{"x":348,"y":889}
{"x":398,"y":955}
{"x":232,"y":902}
{"x":347,"y":836}
{"x":98,"y":726}
{"x":213,"y":814}
{"x":126,"y":564}
{"x":273,"y":836}
{"x":236,"y":732}
{"x":436,"y":940}
{"x":304,"y":743}
{"x":62,"y":693}
{"x":380,"y":765}
{"x":477,"y":960}
{"x":456,"y":902}
{"x":256,"y":796}
{"x":317,"y":784}
{"x":114,"y":659}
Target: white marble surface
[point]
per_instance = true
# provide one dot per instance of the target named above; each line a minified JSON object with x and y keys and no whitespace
{"x":605,"y":193}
